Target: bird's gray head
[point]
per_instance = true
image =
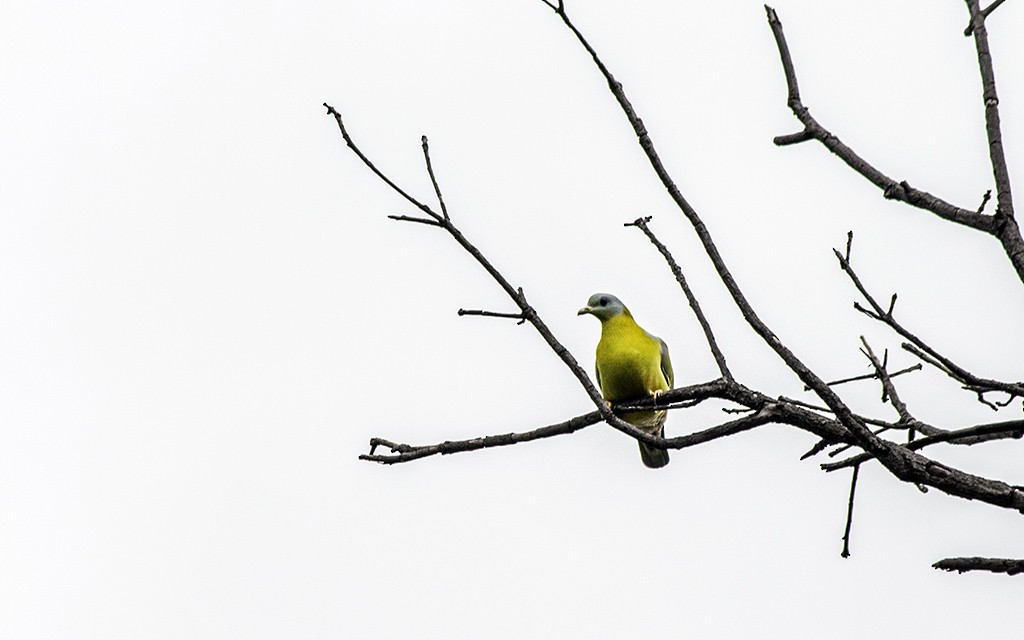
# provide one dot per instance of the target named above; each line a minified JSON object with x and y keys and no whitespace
{"x":603,"y":306}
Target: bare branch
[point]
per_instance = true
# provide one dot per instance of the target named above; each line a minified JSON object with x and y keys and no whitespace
{"x":984,"y":201}
{"x":984,"y":14}
{"x":891,"y":189}
{"x":492,"y":314}
{"x":917,"y":346}
{"x":793,"y":138}
{"x":1006,"y":227}
{"x":870,"y":376}
{"x":765,"y":410}
{"x":888,"y":388}
{"x":372,"y":167}
{"x":407,"y":453}
{"x":849,"y":513}
{"x":994,"y":565}
{"x":433,"y":223}
{"x":1010,"y":429}
{"x":433,"y":180}
{"x":641,"y":223}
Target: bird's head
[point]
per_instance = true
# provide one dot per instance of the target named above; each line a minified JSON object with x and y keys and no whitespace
{"x":603,"y":306}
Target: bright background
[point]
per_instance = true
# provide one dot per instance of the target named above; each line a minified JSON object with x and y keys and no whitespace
{"x":205,"y":315}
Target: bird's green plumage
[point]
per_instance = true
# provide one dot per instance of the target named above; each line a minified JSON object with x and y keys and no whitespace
{"x":631,"y":365}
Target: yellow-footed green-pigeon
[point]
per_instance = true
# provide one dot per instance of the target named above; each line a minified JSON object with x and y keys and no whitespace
{"x":631,"y":365}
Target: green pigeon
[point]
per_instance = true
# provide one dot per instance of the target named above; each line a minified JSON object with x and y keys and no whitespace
{"x":631,"y":365}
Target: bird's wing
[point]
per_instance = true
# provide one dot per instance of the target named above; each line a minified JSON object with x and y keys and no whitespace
{"x":666,"y":364}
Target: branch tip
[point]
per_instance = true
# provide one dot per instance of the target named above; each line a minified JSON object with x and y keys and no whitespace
{"x":793,"y":138}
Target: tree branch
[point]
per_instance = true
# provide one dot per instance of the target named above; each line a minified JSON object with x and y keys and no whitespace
{"x":994,"y":565}
{"x":1010,"y":429}
{"x":433,"y":180}
{"x":492,"y":314}
{"x":870,"y":376}
{"x":984,"y":14}
{"x":891,"y":189}
{"x":641,"y":223}
{"x":849,"y":513}
{"x":917,"y":346}
{"x":1006,"y":228}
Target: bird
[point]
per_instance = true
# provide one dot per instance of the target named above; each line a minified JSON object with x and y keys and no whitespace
{"x":631,"y":365}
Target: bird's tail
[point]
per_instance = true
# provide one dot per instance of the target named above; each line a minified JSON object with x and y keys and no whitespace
{"x":653,"y":458}
{"x":652,"y":422}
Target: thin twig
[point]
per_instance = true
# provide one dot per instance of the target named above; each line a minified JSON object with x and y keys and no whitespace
{"x":888,"y":388}
{"x":918,"y":347}
{"x":433,"y":180}
{"x":641,"y":223}
{"x":429,"y":221}
{"x":871,"y":376}
{"x":372,"y":167}
{"x":849,"y":513}
{"x":984,"y":200}
{"x":407,"y":453}
{"x":1010,"y":429}
{"x":492,"y":314}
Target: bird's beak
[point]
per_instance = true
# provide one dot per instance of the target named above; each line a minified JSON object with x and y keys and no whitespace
{"x":584,"y":311}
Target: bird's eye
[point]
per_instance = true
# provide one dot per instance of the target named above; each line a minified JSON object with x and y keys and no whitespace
{"x":603,"y":301}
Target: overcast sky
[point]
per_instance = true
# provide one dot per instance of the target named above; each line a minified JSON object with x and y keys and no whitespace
{"x":206,"y":314}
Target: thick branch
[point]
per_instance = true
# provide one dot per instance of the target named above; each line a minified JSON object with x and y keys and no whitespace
{"x":994,"y":565}
{"x":891,"y":189}
{"x":766,"y":410}
{"x":1006,"y":228}
{"x":984,"y":14}
{"x":1002,"y":225}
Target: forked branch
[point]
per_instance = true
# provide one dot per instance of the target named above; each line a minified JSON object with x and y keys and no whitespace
{"x":1002,"y":225}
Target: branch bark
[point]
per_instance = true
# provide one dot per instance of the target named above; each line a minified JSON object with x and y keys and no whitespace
{"x":992,"y":565}
{"x":1002,"y":224}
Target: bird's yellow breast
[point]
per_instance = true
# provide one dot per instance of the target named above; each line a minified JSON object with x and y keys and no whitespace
{"x":628,"y":361}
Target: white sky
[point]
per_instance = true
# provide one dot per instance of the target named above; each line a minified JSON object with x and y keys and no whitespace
{"x":206,"y":315}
